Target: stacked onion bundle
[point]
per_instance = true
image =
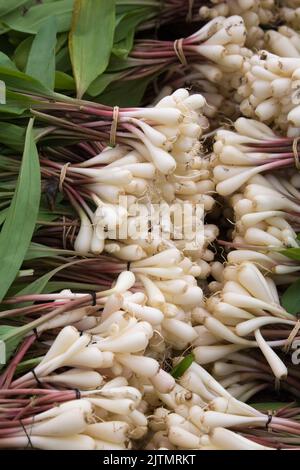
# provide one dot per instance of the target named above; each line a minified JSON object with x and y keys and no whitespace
{"x":244,"y":374}
{"x":254,"y":13}
{"x":220,"y":44}
{"x":199,"y":413}
{"x":269,"y":90}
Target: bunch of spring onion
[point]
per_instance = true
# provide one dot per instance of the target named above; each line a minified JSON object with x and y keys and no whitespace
{"x":266,"y":217}
{"x":269,"y":91}
{"x":215,"y":86}
{"x":172,"y":11}
{"x":165,"y":283}
{"x":157,"y":161}
{"x":246,"y":373}
{"x":254,"y":13}
{"x":269,"y":222}
{"x":251,"y":150}
{"x":220,"y":42}
{"x":238,"y":315}
{"x":117,"y":330}
{"x":199,"y":413}
{"x":101,"y":419}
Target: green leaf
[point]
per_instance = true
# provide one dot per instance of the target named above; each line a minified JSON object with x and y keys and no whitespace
{"x":291,"y":298}
{"x":57,"y":286}
{"x":21,"y":218}
{"x":19,"y":81}
{"x":183,"y":366}
{"x":41,"y":60}
{"x":11,"y":344}
{"x":16,"y":105}
{"x":21,"y":53}
{"x":6,"y":6}
{"x":12,"y":136}
{"x":269,"y":406}
{"x":64,"y":81}
{"x":125,"y":93}
{"x":91,"y":40}
{"x":293,"y":253}
{"x":6,"y":62}
{"x":35,"y":17}
{"x":36,"y":251}
{"x":125,"y":30}
{"x":29,"y":364}
{"x":40,"y":284}
{"x":63,"y":61}
{"x":101,"y":83}
{"x":123,"y":47}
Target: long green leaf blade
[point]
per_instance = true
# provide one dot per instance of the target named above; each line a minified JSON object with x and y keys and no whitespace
{"x":41,"y":60}
{"x":293,"y":253}
{"x":36,"y":15}
{"x":6,"y":6}
{"x":91,"y":40}
{"x":21,"y":218}
{"x":291,"y":298}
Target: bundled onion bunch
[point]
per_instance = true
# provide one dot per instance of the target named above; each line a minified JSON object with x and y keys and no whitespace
{"x":269,"y":91}
{"x":255,"y":13}
{"x":208,"y":80}
{"x":251,"y":150}
{"x":244,"y":374}
{"x":218,"y":47}
{"x":199,"y":413}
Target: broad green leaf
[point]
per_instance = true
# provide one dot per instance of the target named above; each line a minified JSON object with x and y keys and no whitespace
{"x":117,"y":65}
{"x":125,"y":30}
{"x":41,"y":60}
{"x":183,"y":366}
{"x":6,"y":6}
{"x":19,"y":81}
{"x":6,"y":62}
{"x":3,"y":216}
{"x":101,"y":83}
{"x":64,"y":81}
{"x":3,"y":28}
{"x":11,"y":344}
{"x":15,"y":105}
{"x":20,"y":221}
{"x":123,"y":47}
{"x":22,"y":52}
{"x":35,"y":17}
{"x":293,"y":253}
{"x":91,"y":40}
{"x":63,"y":61}
{"x":291,"y":298}
{"x":125,"y":93}
{"x":12,"y":136}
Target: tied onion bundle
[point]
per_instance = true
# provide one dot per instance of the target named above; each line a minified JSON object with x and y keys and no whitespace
{"x":149,"y":227}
